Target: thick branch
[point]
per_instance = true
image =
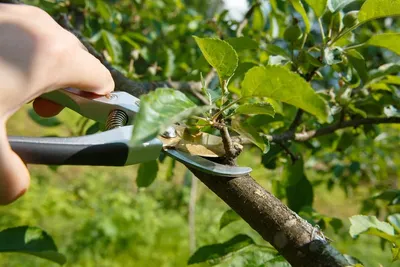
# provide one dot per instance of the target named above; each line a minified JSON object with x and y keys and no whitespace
{"x":297,"y":240}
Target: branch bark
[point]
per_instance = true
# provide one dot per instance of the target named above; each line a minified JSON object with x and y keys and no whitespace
{"x":296,"y":240}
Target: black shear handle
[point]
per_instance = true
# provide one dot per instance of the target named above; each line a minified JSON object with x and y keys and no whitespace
{"x":61,"y":151}
{"x":70,"y":151}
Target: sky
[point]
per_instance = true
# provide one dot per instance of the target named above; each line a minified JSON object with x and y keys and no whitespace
{"x":237,"y":8}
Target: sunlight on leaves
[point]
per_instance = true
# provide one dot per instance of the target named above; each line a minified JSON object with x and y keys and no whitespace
{"x":220,"y":55}
{"x":337,"y":5}
{"x":386,"y":40}
{"x":160,"y":109}
{"x":256,"y":108}
{"x":318,"y":6}
{"x":280,"y":84}
{"x":373,"y":9}
{"x":361,"y":224}
{"x":298,"y":6}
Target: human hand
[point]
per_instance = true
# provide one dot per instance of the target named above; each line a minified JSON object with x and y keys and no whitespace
{"x":37,"y":56}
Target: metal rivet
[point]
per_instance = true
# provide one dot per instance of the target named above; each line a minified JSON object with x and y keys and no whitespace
{"x":169,"y":133}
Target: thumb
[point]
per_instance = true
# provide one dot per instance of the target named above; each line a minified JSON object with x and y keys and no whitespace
{"x":85,"y":72}
{"x":14,"y":177}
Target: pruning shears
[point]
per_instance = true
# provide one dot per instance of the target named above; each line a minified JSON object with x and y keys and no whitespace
{"x":113,"y":147}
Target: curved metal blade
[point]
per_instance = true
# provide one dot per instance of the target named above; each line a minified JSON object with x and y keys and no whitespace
{"x":207,"y":166}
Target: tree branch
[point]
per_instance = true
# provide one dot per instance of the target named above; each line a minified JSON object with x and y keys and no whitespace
{"x":305,"y":136}
{"x":295,"y":239}
{"x":302,"y":137}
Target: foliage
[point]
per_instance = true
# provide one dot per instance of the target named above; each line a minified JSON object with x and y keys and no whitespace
{"x":333,"y":60}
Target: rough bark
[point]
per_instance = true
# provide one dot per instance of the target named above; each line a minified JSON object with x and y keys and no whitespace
{"x":299,"y":242}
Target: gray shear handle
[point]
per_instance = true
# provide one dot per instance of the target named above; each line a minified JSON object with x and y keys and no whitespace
{"x":69,"y":151}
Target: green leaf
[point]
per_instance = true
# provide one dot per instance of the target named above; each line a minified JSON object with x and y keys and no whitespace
{"x":112,"y":45}
{"x":220,"y":55}
{"x":386,"y":69}
{"x":388,"y":195}
{"x":94,"y":128}
{"x":390,"y":79}
{"x":280,"y":84}
{"x":395,"y":253}
{"x":373,"y":9}
{"x":394,"y":220}
{"x":293,"y":173}
{"x":46,"y":122}
{"x":345,"y":140}
{"x":386,"y":40}
{"x":147,"y":173}
{"x":256,"y":108}
{"x":228,"y":217}
{"x":276,"y":50}
{"x":30,"y":240}
{"x":156,"y":113}
{"x":298,"y":6}
{"x":169,"y":66}
{"x":215,"y":251}
{"x":337,"y":5}
{"x":370,"y":225}
{"x":300,"y":195}
{"x":258,"y":19}
{"x":269,"y":159}
{"x":245,"y":129}
{"x":358,"y":62}
{"x":242,"y":43}
{"x":103,"y":9}
{"x":318,"y":6}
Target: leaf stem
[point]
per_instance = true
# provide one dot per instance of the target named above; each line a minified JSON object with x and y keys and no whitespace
{"x":354,"y":46}
{"x":343,"y":33}
{"x":321,"y":28}
{"x":225,"y":108}
{"x":304,"y":40}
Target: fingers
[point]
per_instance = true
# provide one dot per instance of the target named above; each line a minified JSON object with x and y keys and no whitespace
{"x":46,"y":108}
{"x":86,"y":72}
{"x":14,"y":177}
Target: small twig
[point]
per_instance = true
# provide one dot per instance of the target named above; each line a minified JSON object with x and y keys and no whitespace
{"x":321,"y":28}
{"x":199,"y":96}
{"x":209,"y":77}
{"x":245,"y":20}
{"x":293,"y":157}
{"x":297,"y":120}
{"x":241,"y":26}
{"x":231,"y":151}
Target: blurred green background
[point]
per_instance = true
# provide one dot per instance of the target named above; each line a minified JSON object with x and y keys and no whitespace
{"x":97,"y":215}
